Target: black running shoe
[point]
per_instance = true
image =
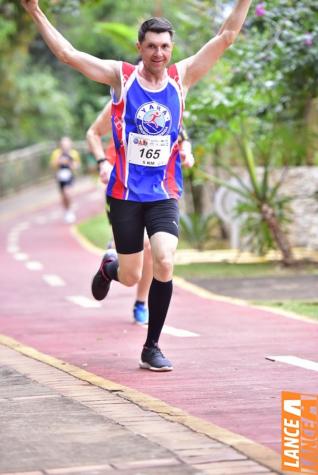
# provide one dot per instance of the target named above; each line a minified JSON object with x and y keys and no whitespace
{"x":101,"y":281}
{"x":153,"y":359}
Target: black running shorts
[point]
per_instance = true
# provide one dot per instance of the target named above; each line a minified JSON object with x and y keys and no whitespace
{"x":64,"y":184}
{"x":130,"y":218}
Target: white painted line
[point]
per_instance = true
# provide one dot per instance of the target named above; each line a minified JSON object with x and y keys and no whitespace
{"x":12,"y":249}
{"x":55,"y":215}
{"x":295,"y":361}
{"x":178,"y":332}
{"x":84,"y":301}
{"x":53,"y":280}
{"x":20,"y":256}
{"x":40,"y":219}
{"x":175,"y":331}
{"x":22,"y":226}
{"x":34,"y":265}
{"x":13,"y":238}
{"x":12,"y":241}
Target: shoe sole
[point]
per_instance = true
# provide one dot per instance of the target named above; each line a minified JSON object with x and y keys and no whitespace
{"x":140,"y":323}
{"x":143,"y":365}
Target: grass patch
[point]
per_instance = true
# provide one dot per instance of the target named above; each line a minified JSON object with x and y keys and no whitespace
{"x":307,"y":308}
{"x":97,"y":230}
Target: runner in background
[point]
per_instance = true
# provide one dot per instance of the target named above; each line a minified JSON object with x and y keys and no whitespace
{"x":65,"y":160}
{"x":106,"y":160}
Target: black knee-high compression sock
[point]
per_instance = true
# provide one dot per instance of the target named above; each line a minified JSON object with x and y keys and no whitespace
{"x":158,"y":304}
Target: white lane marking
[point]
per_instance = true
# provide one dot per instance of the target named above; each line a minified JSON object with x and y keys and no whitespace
{"x":295,"y":361}
{"x":84,"y":301}
{"x":176,"y":331}
{"x":12,"y":249}
{"x":34,"y":265}
{"x":40,"y":219}
{"x":12,"y":241}
{"x":13,"y":237}
{"x":22,"y":226}
{"x":53,"y":280}
{"x":21,"y":256}
{"x":55,"y":215}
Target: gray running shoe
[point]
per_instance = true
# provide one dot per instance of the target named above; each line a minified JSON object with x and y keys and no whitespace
{"x":153,"y":359}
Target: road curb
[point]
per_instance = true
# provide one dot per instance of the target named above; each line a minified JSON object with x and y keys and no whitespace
{"x":206,"y":294}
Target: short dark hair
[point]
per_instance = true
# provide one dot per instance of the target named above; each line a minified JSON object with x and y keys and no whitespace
{"x":157,"y":25}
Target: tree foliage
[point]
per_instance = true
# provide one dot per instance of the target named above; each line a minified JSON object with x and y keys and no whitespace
{"x":269,"y":77}
{"x":270,"y":74}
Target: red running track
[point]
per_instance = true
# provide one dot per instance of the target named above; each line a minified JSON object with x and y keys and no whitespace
{"x":221,"y":375}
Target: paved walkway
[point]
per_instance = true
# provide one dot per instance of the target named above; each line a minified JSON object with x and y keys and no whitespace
{"x":56,"y":424}
{"x":222,"y":389}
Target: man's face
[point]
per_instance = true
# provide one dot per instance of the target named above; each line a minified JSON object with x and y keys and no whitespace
{"x":156,"y":50}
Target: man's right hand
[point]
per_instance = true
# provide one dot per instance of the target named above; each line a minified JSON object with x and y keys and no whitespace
{"x":30,"y":5}
{"x":105,"y":170}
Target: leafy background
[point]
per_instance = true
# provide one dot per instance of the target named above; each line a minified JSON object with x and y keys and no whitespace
{"x":270,"y":75}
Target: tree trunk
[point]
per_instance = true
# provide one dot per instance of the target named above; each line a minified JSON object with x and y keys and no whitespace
{"x":197,"y":196}
{"x":280,"y":237}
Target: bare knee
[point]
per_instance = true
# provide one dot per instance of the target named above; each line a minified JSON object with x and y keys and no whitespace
{"x":130,"y":277}
{"x":163,"y":267}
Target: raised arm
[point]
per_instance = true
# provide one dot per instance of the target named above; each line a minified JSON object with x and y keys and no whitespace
{"x":195,"y":67}
{"x":104,"y":71}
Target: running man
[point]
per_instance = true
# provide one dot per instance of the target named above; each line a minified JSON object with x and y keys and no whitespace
{"x":146,"y":182}
{"x":97,"y":130}
{"x":65,"y":160}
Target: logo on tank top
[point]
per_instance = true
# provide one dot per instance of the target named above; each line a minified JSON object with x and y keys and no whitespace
{"x":153,"y":118}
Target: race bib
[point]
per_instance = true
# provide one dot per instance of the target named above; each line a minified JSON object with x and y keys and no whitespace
{"x":64,"y":174}
{"x":148,"y":150}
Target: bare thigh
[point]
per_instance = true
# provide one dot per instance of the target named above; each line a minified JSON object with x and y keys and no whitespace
{"x":130,"y":268}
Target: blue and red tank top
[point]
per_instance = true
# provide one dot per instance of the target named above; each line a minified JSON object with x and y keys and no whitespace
{"x":146,"y":126}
